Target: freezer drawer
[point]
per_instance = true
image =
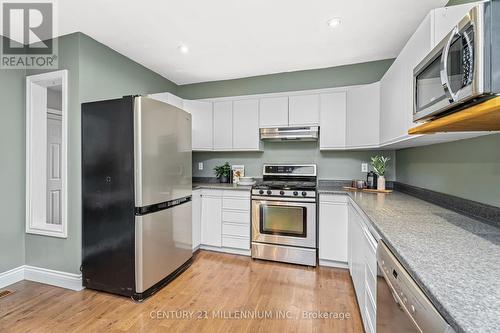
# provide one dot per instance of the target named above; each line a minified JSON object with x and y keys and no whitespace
{"x":163,"y":243}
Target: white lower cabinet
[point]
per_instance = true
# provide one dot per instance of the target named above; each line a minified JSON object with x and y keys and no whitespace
{"x":196,"y":216}
{"x":211,"y":217}
{"x":362,"y":256}
{"x":225,"y":221}
{"x":333,"y":230}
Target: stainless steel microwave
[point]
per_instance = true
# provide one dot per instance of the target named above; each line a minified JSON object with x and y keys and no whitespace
{"x":463,"y":69}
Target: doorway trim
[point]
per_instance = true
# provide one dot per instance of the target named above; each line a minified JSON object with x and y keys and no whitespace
{"x":36,"y":179}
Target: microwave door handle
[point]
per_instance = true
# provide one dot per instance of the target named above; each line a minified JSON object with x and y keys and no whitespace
{"x":445,"y":81}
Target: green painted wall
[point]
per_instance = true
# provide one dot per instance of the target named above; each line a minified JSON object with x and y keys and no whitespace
{"x":50,"y":252}
{"x":458,"y":2}
{"x":105,"y":74}
{"x":468,"y":169}
{"x":12,"y":168}
{"x":340,"y":76}
{"x":95,"y":72}
{"x":338,"y":165}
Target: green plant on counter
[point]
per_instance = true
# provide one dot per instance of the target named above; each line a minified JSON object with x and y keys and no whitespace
{"x":222,"y":170}
{"x":379,"y":164}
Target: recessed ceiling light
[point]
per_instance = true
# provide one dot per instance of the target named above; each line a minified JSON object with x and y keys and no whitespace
{"x":183,"y":48}
{"x":334,"y":22}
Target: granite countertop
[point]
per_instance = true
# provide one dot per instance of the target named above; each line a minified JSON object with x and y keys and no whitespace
{"x":220,"y":186}
{"x":454,"y":259}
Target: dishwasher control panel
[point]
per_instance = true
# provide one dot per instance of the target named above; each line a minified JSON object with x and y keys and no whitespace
{"x":408,"y":294}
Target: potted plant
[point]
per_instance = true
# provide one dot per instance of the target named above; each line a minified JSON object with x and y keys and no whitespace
{"x":379,"y":164}
{"x":222,"y":172}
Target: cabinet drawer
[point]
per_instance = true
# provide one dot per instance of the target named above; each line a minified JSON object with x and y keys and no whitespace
{"x":211,"y":193}
{"x":236,"y":216}
{"x":236,"y":194}
{"x":334,"y":198}
{"x":236,"y":204}
{"x":233,"y":229}
{"x":371,"y":282}
{"x":370,"y":312}
{"x":236,"y":242}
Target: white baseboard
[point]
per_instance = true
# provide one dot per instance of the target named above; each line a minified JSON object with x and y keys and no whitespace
{"x":226,"y":250}
{"x":332,"y":263}
{"x":11,"y":276}
{"x":55,"y":278}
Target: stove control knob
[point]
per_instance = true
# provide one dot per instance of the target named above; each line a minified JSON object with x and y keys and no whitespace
{"x":261,"y":192}
{"x":269,"y":192}
{"x":304,"y":193}
{"x":282,"y":192}
{"x":295,"y":193}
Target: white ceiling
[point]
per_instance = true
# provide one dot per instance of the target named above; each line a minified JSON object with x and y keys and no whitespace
{"x":239,"y":38}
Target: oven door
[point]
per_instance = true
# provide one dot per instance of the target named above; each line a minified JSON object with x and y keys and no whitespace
{"x":284,"y":222}
{"x":452,"y":73}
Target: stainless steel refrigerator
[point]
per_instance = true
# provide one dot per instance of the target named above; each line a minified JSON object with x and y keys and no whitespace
{"x":136,"y":195}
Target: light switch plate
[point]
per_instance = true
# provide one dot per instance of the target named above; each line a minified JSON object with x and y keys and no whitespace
{"x":200,"y":165}
{"x":364,"y":167}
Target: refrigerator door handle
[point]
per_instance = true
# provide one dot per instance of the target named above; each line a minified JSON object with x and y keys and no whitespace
{"x":161,"y":206}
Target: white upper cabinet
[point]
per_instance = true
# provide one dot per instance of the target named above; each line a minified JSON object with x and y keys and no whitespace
{"x":202,"y":120}
{"x":396,"y":95}
{"x":363,"y":113}
{"x":332,"y":120}
{"x":273,"y":112}
{"x":303,"y":110}
{"x":223,"y":125}
{"x":169,"y":98}
{"x":246,"y":125}
{"x":446,"y":18}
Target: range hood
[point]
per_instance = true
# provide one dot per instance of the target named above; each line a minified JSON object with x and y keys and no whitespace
{"x":303,"y":133}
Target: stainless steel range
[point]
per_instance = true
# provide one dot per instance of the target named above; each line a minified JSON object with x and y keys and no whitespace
{"x":284,"y":214}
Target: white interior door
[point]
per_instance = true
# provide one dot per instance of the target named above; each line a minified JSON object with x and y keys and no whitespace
{"x":54,"y":164}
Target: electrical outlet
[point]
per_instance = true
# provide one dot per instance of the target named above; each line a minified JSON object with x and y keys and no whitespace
{"x":364,"y":167}
{"x":200,"y":165}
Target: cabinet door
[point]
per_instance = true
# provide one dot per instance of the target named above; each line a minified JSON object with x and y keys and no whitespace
{"x":332,"y":120}
{"x":196,"y":219}
{"x":446,"y":18}
{"x":363,"y":116}
{"x":211,"y":220}
{"x":273,"y":112}
{"x":396,"y":90}
{"x":303,"y":110}
{"x":223,"y":125}
{"x":357,"y":258}
{"x":333,"y":231}
{"x":246,"y":125}
{"x":202,"y":124}
{"x":417,"y":48}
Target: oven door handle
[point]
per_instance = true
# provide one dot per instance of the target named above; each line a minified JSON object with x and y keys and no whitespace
{"x":287,"y":199}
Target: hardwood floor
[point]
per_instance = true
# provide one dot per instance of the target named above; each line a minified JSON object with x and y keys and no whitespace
{"x":207,"y":297}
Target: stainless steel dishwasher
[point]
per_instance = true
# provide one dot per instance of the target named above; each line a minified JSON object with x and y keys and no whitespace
{"x":401,"y":305}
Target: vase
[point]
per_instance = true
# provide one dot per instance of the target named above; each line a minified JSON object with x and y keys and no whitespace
{"x":381,"y":183}
{"x":224,"y":179}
